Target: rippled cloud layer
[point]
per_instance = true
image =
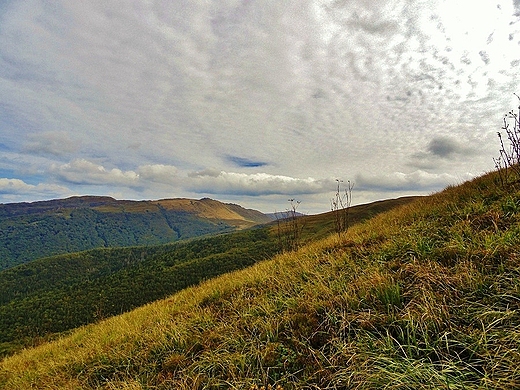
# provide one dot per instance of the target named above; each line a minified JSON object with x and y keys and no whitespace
{"x":252,"y":101}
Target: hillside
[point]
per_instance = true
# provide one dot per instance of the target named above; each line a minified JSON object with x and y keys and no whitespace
{"x":425,"y":296}
{"x":34,"y":230}
{"x":321,"y":225}
{"x":52,"y":295}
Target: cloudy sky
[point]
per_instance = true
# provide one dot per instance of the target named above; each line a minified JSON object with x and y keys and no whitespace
{"x":252,"y":101}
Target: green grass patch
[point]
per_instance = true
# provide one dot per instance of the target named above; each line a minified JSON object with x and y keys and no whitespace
{"x":426,"y":296}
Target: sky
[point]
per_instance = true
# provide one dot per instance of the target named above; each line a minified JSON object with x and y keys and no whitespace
{"x":253,"y":102}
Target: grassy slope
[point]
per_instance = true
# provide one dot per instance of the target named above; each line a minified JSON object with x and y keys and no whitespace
{"x":321,"y":225}
{"x":424,"y":296}
{"x":45,"y":297}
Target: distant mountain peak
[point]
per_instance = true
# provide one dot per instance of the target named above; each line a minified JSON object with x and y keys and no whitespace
{"x":77,"y":223}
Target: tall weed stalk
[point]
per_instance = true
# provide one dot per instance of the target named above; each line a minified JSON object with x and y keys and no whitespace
{"x":508,"y":163}
{"x":340,"y":205}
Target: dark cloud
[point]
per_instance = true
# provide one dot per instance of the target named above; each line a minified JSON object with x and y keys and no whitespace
{"x":444,"y":147}
{"x":441,"y":149}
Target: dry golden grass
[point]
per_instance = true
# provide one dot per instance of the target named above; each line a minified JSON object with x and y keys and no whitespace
{"x":426,"y":296}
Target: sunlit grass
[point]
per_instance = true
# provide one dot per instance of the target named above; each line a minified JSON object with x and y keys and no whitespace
{"x":426,"y":296}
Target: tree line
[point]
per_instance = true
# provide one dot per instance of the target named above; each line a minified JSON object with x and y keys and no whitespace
{"x":53,"y":295}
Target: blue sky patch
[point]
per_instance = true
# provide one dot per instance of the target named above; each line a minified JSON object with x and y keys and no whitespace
{"x":245,"y":162}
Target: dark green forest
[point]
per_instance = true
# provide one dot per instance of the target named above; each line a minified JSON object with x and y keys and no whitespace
{"x":53,"y":295}
{"x":28,"y":233}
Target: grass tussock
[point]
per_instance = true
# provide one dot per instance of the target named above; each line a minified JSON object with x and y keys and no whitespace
{"x":426,"y":296}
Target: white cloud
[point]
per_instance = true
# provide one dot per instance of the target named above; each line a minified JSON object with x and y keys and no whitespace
{"x":417,"y":181}
{"x":19,"y":187}
{"x":81,"y":171}
{"x":158,"y":173}
{"x":84,"y":172}
{"x":57,"y":143}
{"x":256,"y":184}
{"x":10,"y":186}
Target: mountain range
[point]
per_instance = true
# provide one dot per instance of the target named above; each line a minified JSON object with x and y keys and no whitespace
{"x":39,"y":229}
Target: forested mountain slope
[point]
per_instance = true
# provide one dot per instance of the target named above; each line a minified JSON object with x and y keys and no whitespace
{"x":34,"y":230}
{"x":53,"y":295}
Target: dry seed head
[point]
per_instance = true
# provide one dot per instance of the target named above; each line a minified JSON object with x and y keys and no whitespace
{"x":269,"y":387}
